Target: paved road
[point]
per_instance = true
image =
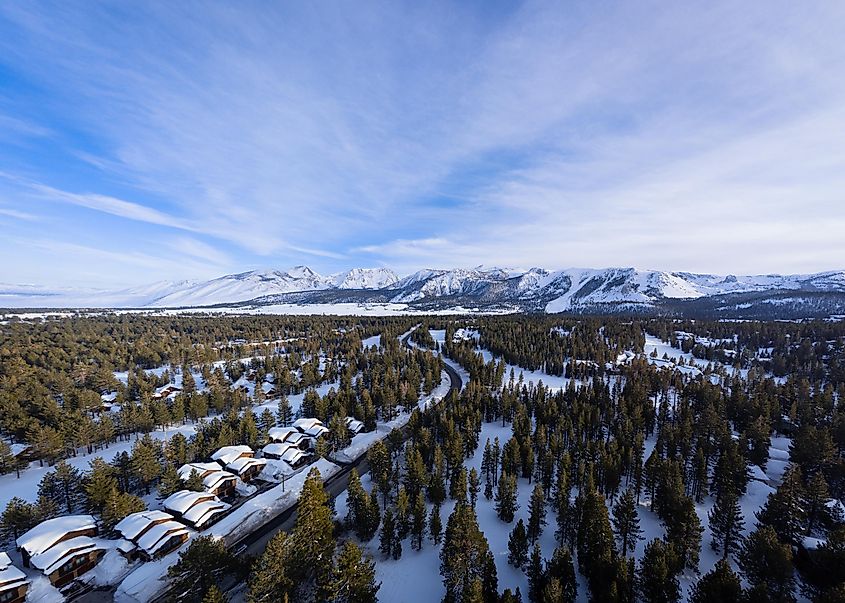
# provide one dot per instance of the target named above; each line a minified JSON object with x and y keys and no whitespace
{"x":255,"y":543}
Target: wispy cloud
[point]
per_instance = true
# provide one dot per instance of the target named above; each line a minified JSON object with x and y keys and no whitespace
{"x":644,"y":134}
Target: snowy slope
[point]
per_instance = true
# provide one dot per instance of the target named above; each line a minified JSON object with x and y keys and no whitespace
{"x":537,"y":289}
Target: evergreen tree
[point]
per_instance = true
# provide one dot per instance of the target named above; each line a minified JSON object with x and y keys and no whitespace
{"x":536,"y":513}
{"x":561,"y":569}
{"x":626,"y":522}
{"x":726,"y":523}
{"x":388,"y":533}
{"x":506,"y":505}
{"x":284,"y":412}
{"x":718,"y":585}
{"x":435,"y":524}
{"x":518,"y":546}
{"x":464,"y":555}
{"x":203,"y":564}
{"x":215,"y":595}
{"x":98,"y":484}
{"x":767,"y":564}
{"x":118,"y":505}
{"x":474,"y":486}
{"x":418,"y":522}
{"x":313,"y":535}
{"x":657,"y":582}
{"x":783,"y":509}
{"x":354,"y":577}
{"x":64,"y":486}
{"x":536,"y":575}
{"x":270,"y":580}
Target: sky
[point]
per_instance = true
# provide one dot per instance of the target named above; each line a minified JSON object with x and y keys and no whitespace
{"x":149,"y":141}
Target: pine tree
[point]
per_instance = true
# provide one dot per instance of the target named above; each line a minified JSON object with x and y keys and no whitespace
{"x":626,"y":522}
{"x":536,"y":513}
{"x":270,"y":580}
{"x":435,"y":524}
{"x":536,"y":575}
{"x":767,"y":564}
{"x":506,"y":505}
{"x":215,"y":595}
{"x":561,"y":569}
{"x":474,"y":486}
{"x":354,"y":577}
{"x":284,"y":412}
{"x":203,"y":564}
{"x":726,"y":523}
{"x":783,"y":509}
{"x":313,"y":535}
{"x":720,"y":584}
{"x":119,"y":505}
{"x":403,"y":513}
{"x":98,"y":484}
{"x":518,"y":546}
{"x":814,"y":503}
{"x":490,"y":581}
{"x":464,"y":555}
{"x":683,"y":533}
{"x":418,"y":522}
{"x":63,"y":485}
{"x":657,"y":582}
{"x":388,"y":533}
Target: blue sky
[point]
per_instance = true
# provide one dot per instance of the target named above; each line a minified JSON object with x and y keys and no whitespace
{"x":149,"y":141}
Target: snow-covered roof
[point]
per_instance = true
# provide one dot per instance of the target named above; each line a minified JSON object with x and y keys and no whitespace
{"x":108,"y":397}
{"x":159,"y":534}
{"x":287,"y":452}
{"x":47,"y":533}
{"x":215,"y":478}
{"x":200,"y":513}
{"x":354,"y":424}
{"x":18,"y":449}
{"x":242,"y":464}
{"x":201,"y":468}
{"x":285,"y":434}
{"x":135,"y":523}
{"x":183,"y":500}
{"x":57,"y":555}
{"x":227,"y":454}
{"x":268,"y":387}
{"x":307,"y":423}
{"x":10,"y":576}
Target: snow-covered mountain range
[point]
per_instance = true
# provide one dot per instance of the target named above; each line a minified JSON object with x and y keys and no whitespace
{"x":535,"y":289}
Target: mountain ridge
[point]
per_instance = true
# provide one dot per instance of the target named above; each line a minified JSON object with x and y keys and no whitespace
{"x":481,"y":288}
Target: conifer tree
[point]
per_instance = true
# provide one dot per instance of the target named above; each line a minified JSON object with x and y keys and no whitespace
{"x":313,"y":535}
{"x":767,"y":565}
{"x":474,"y":486}
{"x":203,"y":564}
{"x":435,"y":524}
{"x":536,"y":513}
{"x":215,"y":595}
{"x":354,"y":577}
{"x":418,"y":522}
{"x":657,"y":582}
{"x":506,"y":505}
{"x":626,"y":522}
{"x":388,"y":533}
{"x":270,"y":579}
{"x":536,"y":575}
{"x":726,"y":523}
{"x":783,"y":509}
{"x":98,"y":484}
{"x":561,"y":569}
{"x":284,"y":412}
{"x":718,"y":585}
{"x":464,"y":555}
{"x":518,"y":546}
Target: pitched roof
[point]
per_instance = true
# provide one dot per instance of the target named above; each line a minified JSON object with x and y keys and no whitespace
{"x":227,"y":454}
{"x":183,"y":500}
{"x":135,"y":523}
{"x":159,"y":534}
{"x":47,"y":533}
{"x":56,"y":556}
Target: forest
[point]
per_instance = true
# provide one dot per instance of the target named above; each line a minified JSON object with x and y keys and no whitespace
{"x":624,"y":456}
